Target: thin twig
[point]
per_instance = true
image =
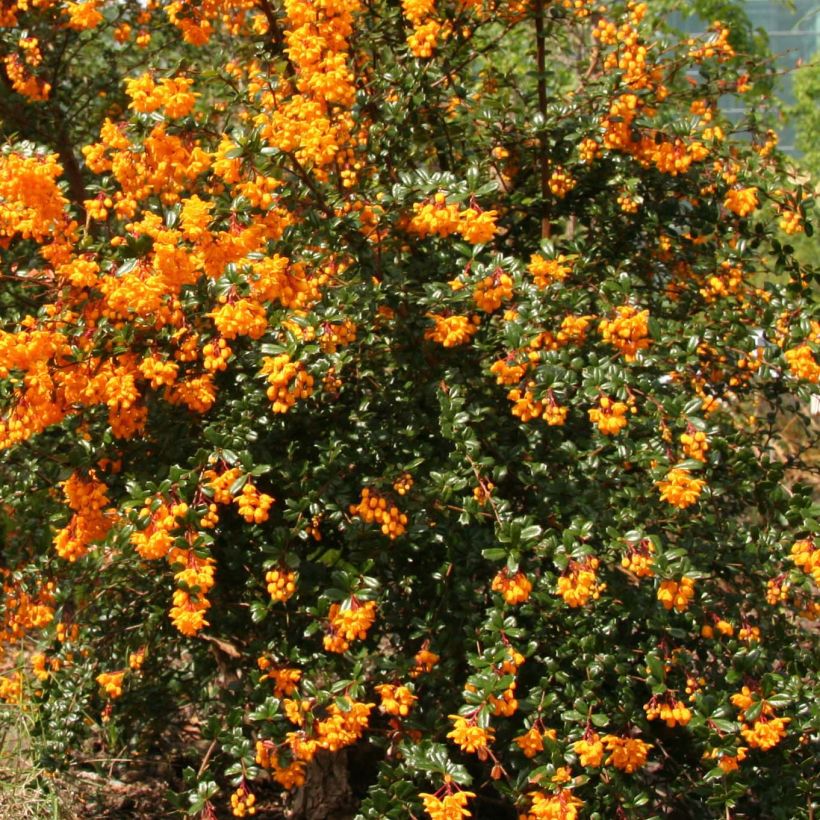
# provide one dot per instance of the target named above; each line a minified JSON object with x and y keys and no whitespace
{"x":543,"y":162}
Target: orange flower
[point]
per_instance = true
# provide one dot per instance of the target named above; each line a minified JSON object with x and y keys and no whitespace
{"x":626,"y":753}
{"x":677,"y":595}
{"x":514,"y":588}
{"x":470,"y":736}
{"x":679,"y":489}
{"x":448,"y":806}
{"x":741,"y":201}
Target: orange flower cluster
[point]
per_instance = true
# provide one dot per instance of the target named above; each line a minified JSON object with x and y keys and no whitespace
{"x":253,"y":506}
{"x":679,"y":489}
{"x":348,"y":624}
{"x":561,"y":806}
{"x":91,"y":519}
{"x":471,"y":737}
{"x":289,"y":381}
{"x":716,"y":47}
{"x":626,"y":753}
{"x":396,"y":700}
{"x":243,"y":802}
{"x":531,"y":742}
{"x":791,"y":222}
{"x":451,"y":331}
{"x":335,"y":336}
{"x":23,"y":81}
{"x":508,"y":371}
{"x":561,"y":182}
{"x":111,"y":683}
{"x":526,"y":407}
{"x":515,"y":588}
{"x":609,"y":416}
{"x":281,"y":584}
{"x":590,"y":749}
{"x":427,"y":30}
{"x":341,"y":728}
{"x":288,"y":776}
{"x":22,"y":611}
{"x":240,"y":318}
{"x":449,"y":805}
{"x":639,"y":559}
{"x":728,"y":281}
{"x":215,"y":355}
{"x":438,"y":218}
{"x":492,"y":291}
{"x":677,"y":595}
{"x":695,"y":444}
{"x":777,"y":591}
{"x":425,"y":662}
{"x":579,"y":582}
{"x":766,"y":730}
{"x":219,"y":485}
{"x":166,"y":166}
{"x":765,"y":733}
{"x":159,"y":372}
{"x":727,"y":762}
{"x":136,"y":659}
{"x":628,"y":331}
{"x":506,"y":704}
{"x":672,"y":712}
{"x":805,"y":555}
{"x":155,"y":540}
{"x":483,"y":493}
{"x":11,"y":688}
{"x":172,"y":95}
{"x":572,"y":331}
{"x":190,"y":604}
{"x":42,"y":667}
{"x":308,"y":114}
{"x":403,"y":484}
{"x":285,"y":679}
{"x":31,"y":204}
{"x":374,"y":507}
{"x":547,"y":271}
{"x":629,"y":54}
{"x":741,"y":201}
{"x":722,"y":626}
{"x":84,"y":15}
{"x":803,"y":364}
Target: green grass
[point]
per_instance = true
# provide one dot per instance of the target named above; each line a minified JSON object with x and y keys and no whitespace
{"x":25,"y":793}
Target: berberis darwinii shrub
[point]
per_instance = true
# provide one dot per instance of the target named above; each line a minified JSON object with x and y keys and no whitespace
{"x":416,"y":380}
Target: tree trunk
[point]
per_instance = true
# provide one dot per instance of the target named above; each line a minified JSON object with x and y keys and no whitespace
{"x":326,"y":794}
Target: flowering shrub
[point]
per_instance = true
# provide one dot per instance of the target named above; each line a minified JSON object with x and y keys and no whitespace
{"x":376,"y":404}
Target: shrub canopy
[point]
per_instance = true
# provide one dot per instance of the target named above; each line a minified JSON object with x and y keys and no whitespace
{"x":428,"y":381}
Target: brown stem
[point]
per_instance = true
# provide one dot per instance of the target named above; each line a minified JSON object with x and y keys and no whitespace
{"x":73,"y":174}
{"x":543,"y":162}
{"x":277,"y":35}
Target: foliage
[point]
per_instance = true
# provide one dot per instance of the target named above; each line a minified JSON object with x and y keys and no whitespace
{"x":365,"y":388}
{"x":805,"y":114}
